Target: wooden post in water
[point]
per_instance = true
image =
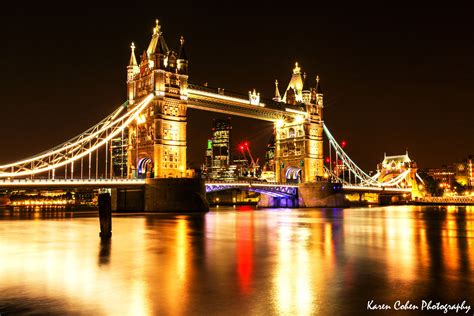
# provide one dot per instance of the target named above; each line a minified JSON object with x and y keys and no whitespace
{"x":105,"y":215}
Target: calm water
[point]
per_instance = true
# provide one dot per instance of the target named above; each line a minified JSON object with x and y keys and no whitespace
{"x":236,"y":262}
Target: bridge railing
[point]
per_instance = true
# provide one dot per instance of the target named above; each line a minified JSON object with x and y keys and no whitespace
{"x":62,"y":181}
{"x":250,"y":182}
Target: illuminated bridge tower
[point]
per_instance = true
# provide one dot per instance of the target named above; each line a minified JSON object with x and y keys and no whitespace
{"x":299,"y":142}
{"x":157,"y":139}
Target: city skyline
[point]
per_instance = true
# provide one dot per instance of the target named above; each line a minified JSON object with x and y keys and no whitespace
{"x":61,"y":76}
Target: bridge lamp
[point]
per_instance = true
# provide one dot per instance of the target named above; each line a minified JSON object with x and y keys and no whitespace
{"x":141,"y":119}
{"x":299,"y":119}
{"x":343,"y":144}
{"x":279,"y":123}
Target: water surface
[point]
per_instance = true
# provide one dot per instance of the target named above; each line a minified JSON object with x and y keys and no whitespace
{"x":236,"y":261}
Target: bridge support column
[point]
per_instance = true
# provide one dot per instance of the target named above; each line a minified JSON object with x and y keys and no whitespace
{"x":321,"y":194}
{"x":271,"y":201}
{"x":175,"y":195}
{"x":105,"y":215}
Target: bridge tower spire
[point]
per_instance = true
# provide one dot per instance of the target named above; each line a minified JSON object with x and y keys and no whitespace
{"x":182,"y":66}
{"x":157,"y":139}
{"x":299,"y":142}
{"x":132,"y":70}
{"x":277,"y":96}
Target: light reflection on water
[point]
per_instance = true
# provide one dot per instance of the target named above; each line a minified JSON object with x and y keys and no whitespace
{"x":287,"y":262}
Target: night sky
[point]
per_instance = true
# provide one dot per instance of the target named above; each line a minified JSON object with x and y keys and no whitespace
{"x":394,"y":76}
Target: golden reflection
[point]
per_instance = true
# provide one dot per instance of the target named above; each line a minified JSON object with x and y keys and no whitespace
{"x":294,"y":277}
{"x":181,"y":248}
{"x":449,"y":245}
{"x":400,"y":239}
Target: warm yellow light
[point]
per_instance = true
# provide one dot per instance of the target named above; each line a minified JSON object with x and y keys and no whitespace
{"x":279,"y":123}
{"x":141,"y":119}
{"x":299,"y":119}
{"x":326,"y":175}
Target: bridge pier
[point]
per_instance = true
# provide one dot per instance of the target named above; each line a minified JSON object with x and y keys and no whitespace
{"x":273,"y":201}
{"x":163,"y":195}
{"x":321,"y":194}
{"x":105,"y":215}
{"x":175,"y":195}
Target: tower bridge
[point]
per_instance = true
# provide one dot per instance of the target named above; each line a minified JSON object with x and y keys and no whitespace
{"x":150,"y":128}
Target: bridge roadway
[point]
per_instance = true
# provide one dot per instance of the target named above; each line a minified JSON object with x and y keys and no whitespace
{"x":278,"y":189}
{"x":215,"y":100}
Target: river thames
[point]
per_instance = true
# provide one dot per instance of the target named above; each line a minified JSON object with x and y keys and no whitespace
{"x":240,"y":261}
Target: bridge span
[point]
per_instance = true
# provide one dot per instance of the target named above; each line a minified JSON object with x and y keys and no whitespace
{"x":275,"y":189}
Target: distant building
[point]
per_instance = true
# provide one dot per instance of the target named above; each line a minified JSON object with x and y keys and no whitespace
{"x":119,"y":154}
{"x":461,"y":172}
{"x":268,"y":172}
{"x":208,"y":160}
{"x":221,"y":144}
{"x":444,"y":174}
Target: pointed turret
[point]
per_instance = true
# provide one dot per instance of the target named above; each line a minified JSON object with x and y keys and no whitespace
{"x":133,"y":59}
{"x":277,"y":96}
{"x":157,"y":49}
{"x":296,"y":84}
{"x":182,"y":51}
{"x":319,"y":92}
{"x":318,"y":86}
{"x":154,"y":39}
{"x":306,"y":92}
{"x":132,"y":68}
{"x":182,"y":58}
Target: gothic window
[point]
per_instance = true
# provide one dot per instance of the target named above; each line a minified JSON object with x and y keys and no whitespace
{"x":300,"y":132}
{"x":291,"y":133}
{"x":291,"y":149}
{"x":290,"y":96}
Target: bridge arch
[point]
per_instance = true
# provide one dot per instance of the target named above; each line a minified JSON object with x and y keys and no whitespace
{"x":145,"y":168}
{"x":293,"y":174}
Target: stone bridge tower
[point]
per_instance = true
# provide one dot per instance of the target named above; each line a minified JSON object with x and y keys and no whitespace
{"x":157,"y":139}
{"x":299,"y":142}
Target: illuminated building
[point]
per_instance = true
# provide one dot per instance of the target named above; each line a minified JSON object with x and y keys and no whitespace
{"x":208,"y":160}
{"x":461,"y":172}
{"x":157,"y":139}
{"x":299,"y":142}
{"x":119,"y":148}
{"x":470,"y":172}
{"x":268,"y":172}
{"x":221,"y":144}
{"x":464,"y":172}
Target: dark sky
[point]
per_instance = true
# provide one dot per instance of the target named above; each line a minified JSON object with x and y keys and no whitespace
{"x":395,"y":76}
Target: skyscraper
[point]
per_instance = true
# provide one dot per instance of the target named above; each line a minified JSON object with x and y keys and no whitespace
{"x":119,"y":155}
{"x":221,"y":153}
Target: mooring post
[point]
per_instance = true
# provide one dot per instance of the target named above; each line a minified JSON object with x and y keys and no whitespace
{"x":105,"y":215}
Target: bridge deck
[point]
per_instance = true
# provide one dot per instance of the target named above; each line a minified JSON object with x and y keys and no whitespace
{"x":132,"y":183}
{"x":70,"y":183}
